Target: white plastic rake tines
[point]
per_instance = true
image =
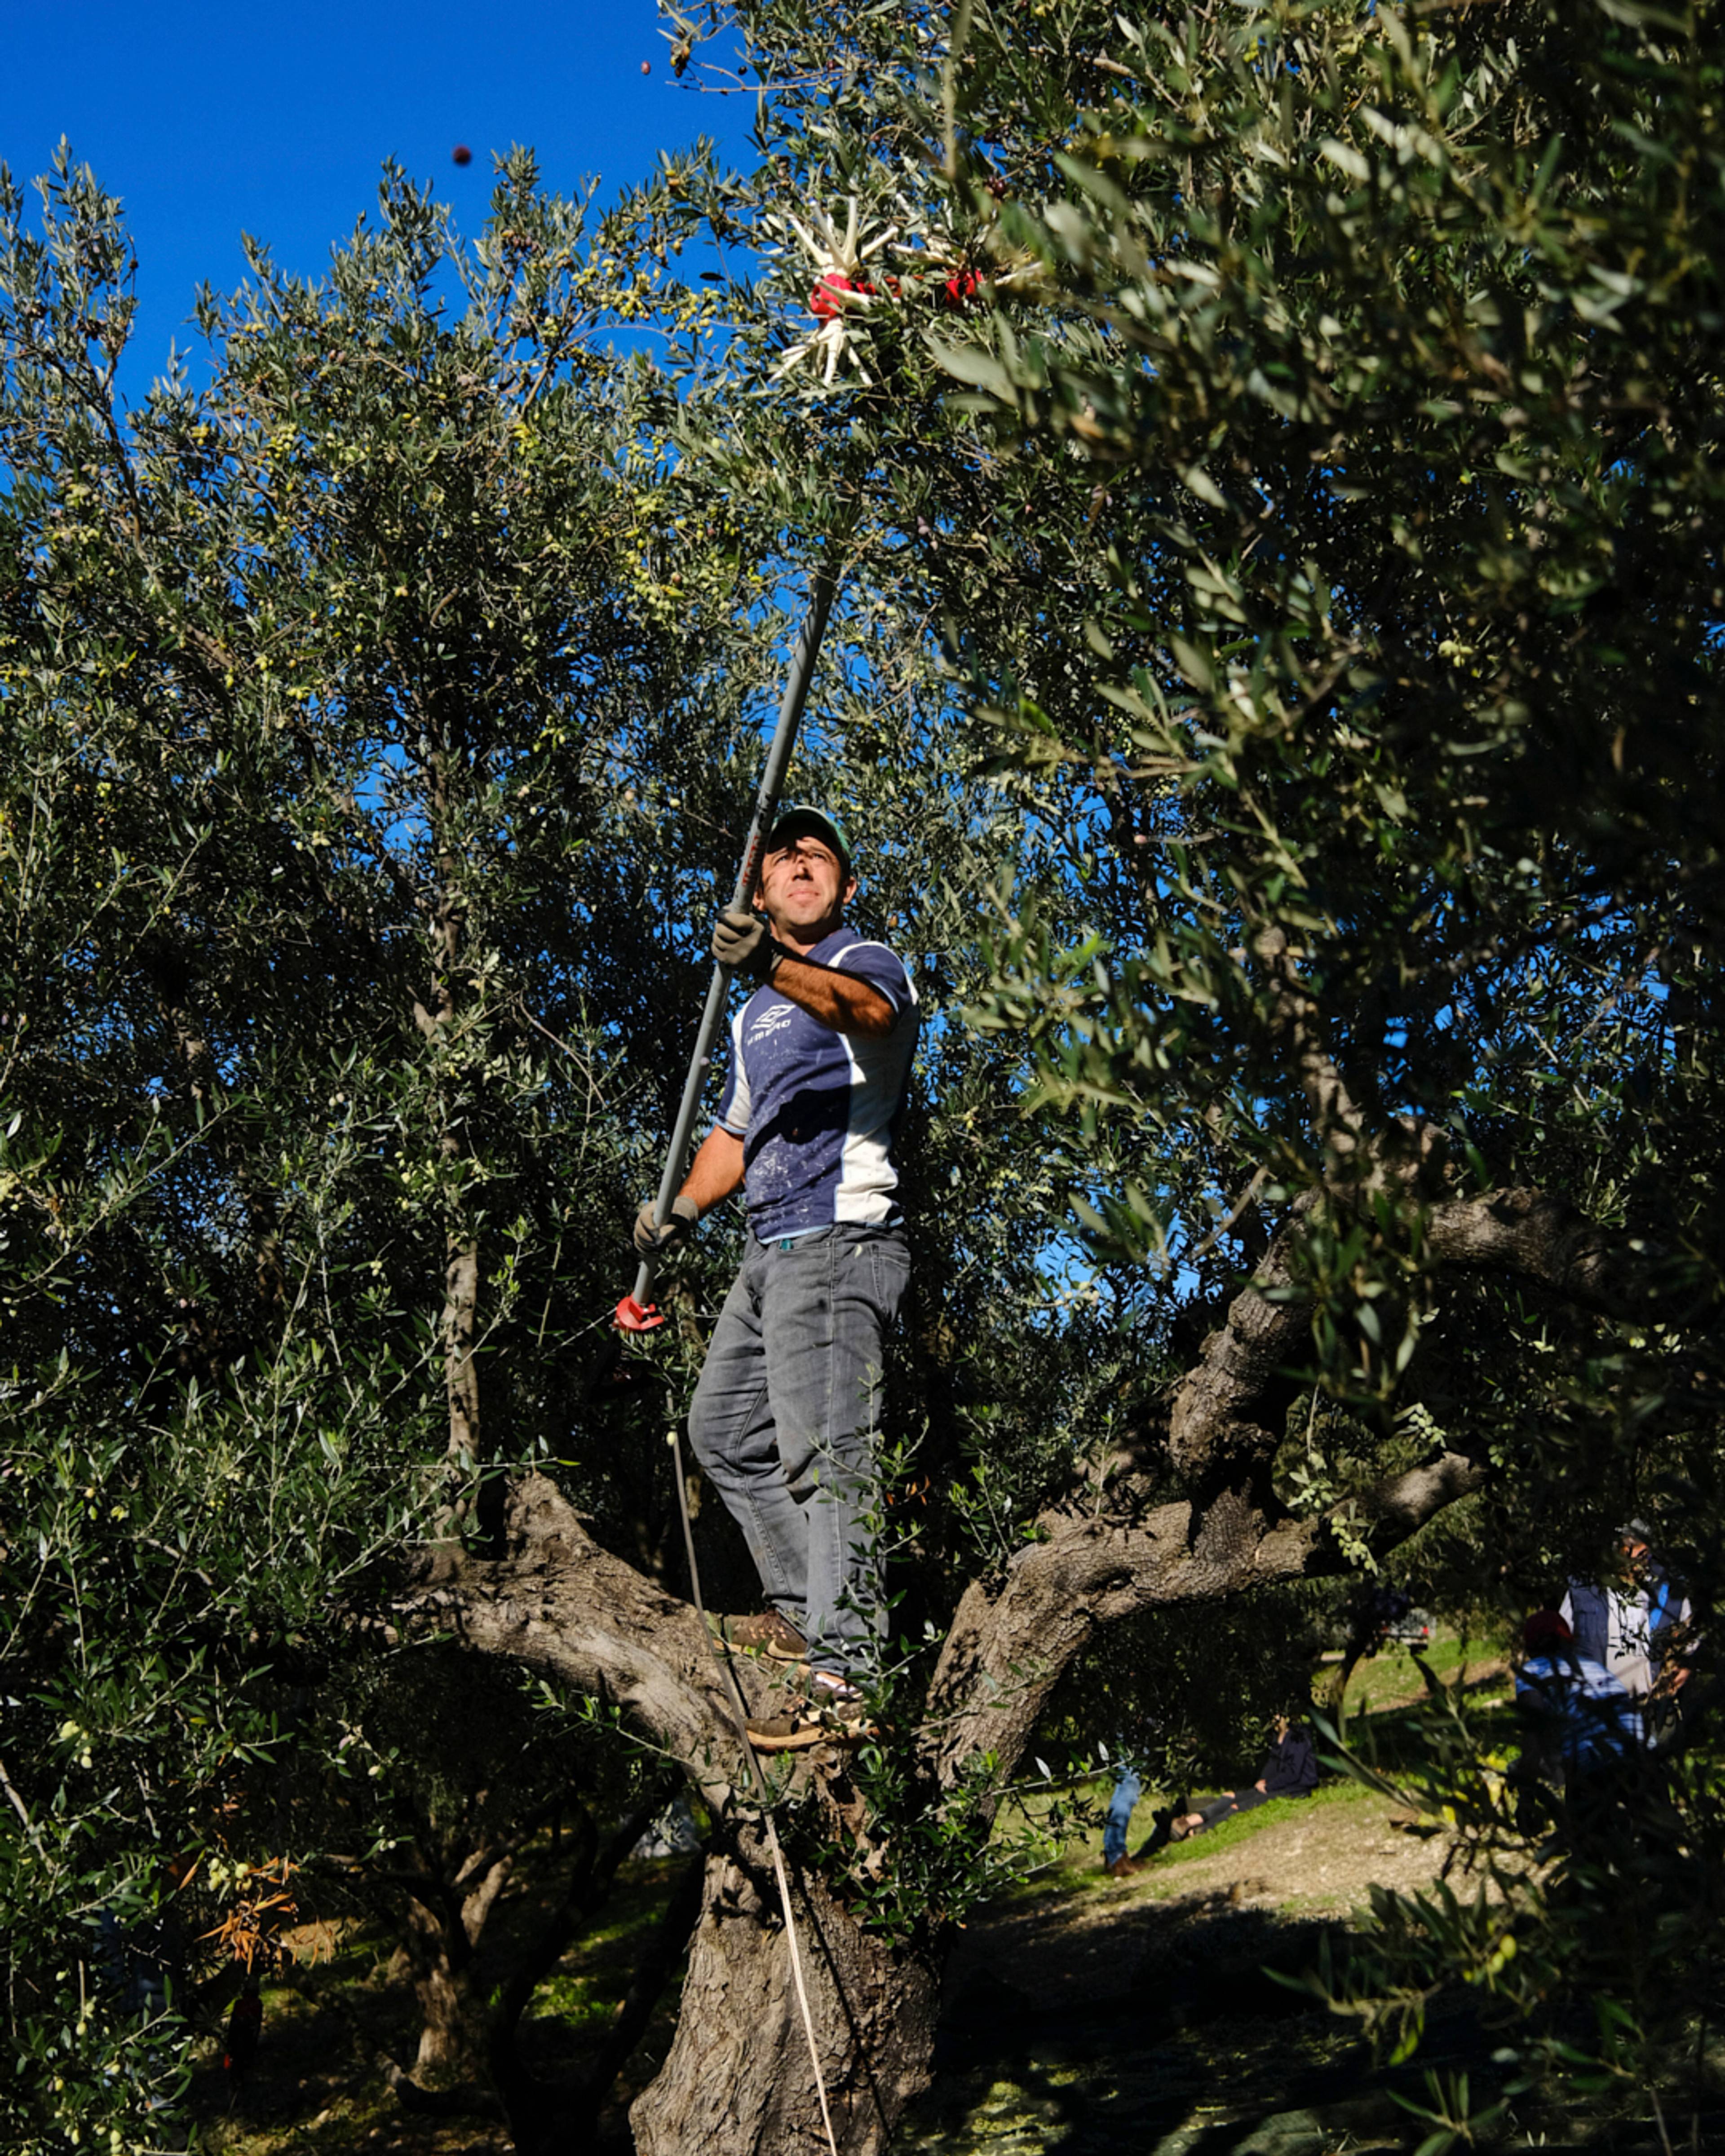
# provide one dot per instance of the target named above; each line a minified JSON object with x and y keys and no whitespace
{"x":840,"y":264}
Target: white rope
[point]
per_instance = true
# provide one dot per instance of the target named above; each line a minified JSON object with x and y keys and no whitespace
{"x":790,"y":1934}
{"x":723,"y":1654}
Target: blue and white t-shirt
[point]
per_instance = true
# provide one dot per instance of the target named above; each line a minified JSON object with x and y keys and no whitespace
{"x":816,"y":1109}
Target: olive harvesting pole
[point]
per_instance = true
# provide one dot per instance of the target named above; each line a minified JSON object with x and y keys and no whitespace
{"x":634,"y":1313}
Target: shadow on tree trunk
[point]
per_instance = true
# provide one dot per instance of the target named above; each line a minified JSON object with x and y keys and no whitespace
{"x":561,"y":2118}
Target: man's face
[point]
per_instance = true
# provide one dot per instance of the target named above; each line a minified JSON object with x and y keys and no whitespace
{"x":804,"y":889}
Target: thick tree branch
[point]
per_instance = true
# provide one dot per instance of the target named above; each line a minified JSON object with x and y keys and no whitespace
{"x":1298,"y":1022}
{"x":1540,"y":1237}
{"x":1009,"y":1644}
{"x":557,"y":1602}
{"x":1402,"y":1504}
{"x":1227,"y":1413}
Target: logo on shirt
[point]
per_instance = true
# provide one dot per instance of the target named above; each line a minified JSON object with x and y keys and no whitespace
{"x":773,"y":1019}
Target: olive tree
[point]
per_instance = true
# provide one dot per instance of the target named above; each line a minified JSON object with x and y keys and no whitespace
{"x":1275,"y":451}
{"x":383,"y":714}
{"x":367,"y":710}
{"x":1303,"y":425}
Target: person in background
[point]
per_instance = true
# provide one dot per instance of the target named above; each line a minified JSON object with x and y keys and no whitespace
{"x":1585,"y":1750}
{"x":1631,"y":1622}
{"x":1578,"y":1716}
{"x":1291,"y":1770}
{"x":1128,"y":1788}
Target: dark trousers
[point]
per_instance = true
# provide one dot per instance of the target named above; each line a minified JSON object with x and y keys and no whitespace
{"x":1221,"y":1808}
{"x":784,"y":1423}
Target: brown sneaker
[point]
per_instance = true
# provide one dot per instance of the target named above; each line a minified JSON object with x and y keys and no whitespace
{"x":770,"y":1634}
{"x":827,"y":1714}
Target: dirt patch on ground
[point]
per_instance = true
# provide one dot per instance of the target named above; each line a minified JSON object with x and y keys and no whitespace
{"x":1316,"y":1859}
{"x":1137,"y":2015}
{"x":1319,"y":1859}
{"x":1475,"y":1677}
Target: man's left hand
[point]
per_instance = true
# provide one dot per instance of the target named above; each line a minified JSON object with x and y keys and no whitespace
{"x":741,"y":944}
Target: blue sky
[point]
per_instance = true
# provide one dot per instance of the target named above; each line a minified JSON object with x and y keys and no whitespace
{"x":209,"y":120}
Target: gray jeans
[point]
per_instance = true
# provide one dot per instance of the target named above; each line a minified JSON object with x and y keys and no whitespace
{"x":784,"y":1424}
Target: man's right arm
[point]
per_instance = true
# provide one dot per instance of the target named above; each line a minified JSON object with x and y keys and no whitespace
{"x":717,"y":1171}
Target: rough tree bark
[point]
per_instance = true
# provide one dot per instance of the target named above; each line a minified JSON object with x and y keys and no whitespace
{"x":439,"y":1953}
{"x":739,"y":2074}
{"x":449,"y":1891}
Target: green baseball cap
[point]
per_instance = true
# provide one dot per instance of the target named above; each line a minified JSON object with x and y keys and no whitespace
{"x":802,"y":821}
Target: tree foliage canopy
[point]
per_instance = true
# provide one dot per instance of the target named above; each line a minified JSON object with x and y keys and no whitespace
{"x":1273,"y":455}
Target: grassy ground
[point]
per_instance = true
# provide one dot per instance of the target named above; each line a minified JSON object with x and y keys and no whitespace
{"x":1393,"y":1675}
{"x":1376,"y":1725}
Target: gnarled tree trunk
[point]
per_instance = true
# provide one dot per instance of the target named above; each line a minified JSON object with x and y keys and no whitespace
{"x":452,"y":2013}
{"x":739,"y":2080}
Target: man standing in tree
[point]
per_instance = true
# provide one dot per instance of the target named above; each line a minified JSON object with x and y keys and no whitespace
{"x":783,"y":1419}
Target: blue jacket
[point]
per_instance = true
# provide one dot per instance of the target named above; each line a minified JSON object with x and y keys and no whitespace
{"x":1575,"y":1707}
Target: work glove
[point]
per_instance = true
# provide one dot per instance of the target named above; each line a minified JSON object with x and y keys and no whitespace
{"x":741,"y":942}
{"x":651,"y":1242}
